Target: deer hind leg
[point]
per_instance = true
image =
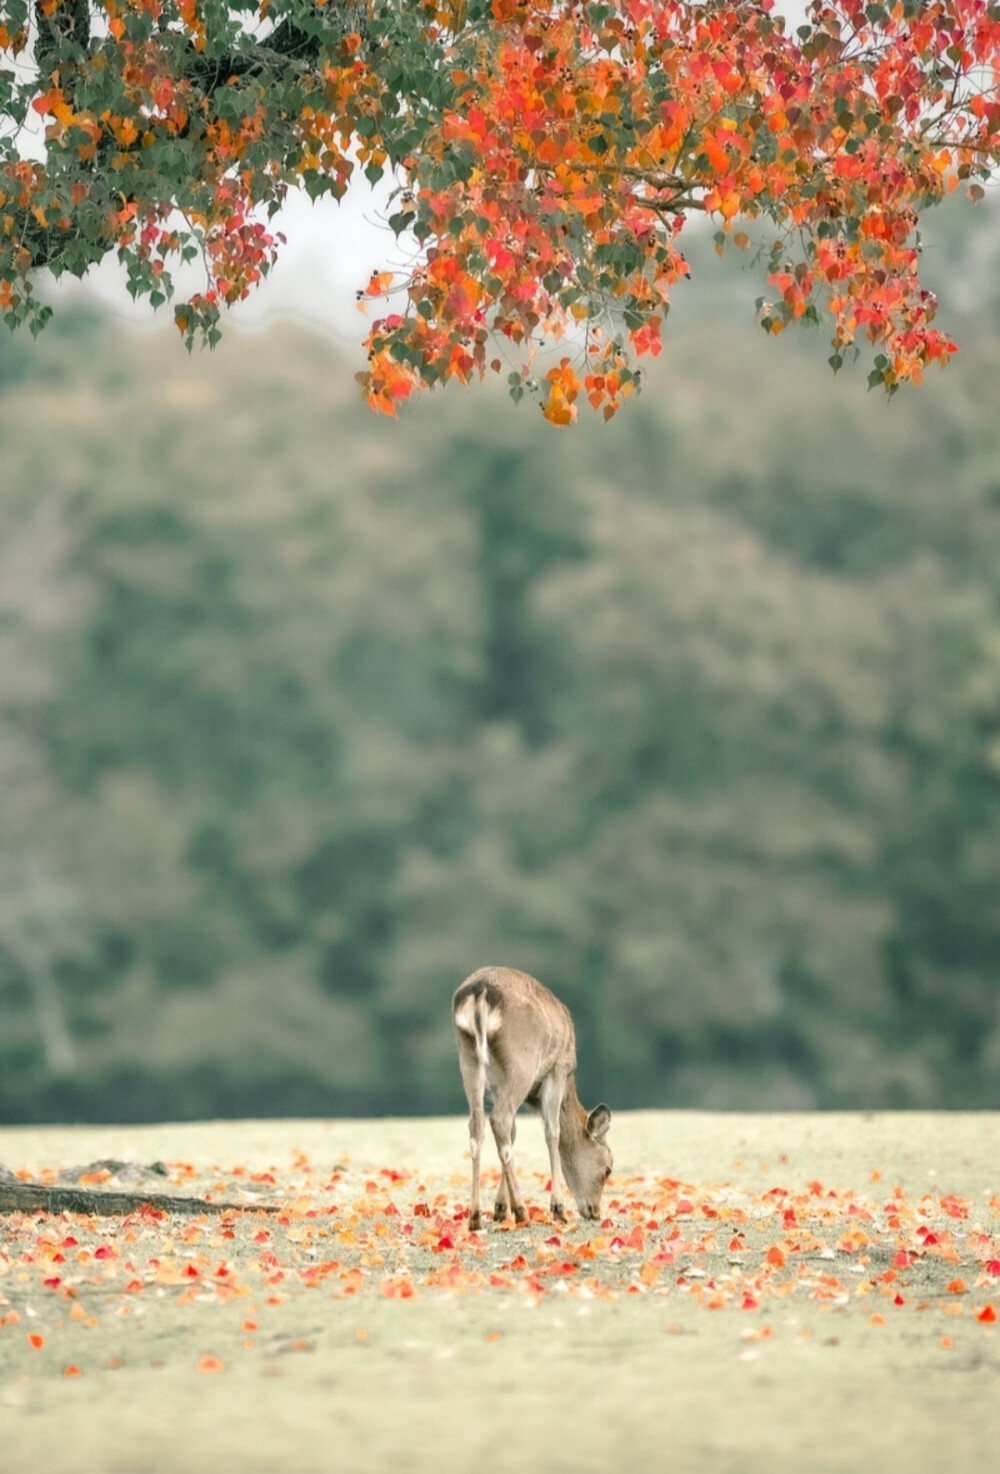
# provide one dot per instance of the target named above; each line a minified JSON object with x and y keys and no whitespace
{"x":474,"y":1080}
{"x":502,"y":1205}
{"x":551,"y":1098}
{"x":502,"y":1122}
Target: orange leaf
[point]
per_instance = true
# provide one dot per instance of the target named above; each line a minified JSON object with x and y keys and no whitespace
{"x":35,"y":1341}
{"x":776,"y":1256}
{"x":72,"y":1371}
{"x":210,"y":1364}
{"x":956,"y":1287}
{"x":987,"y":1315}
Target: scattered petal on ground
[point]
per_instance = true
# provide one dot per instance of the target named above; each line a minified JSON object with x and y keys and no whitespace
{"x":399,"y":1235}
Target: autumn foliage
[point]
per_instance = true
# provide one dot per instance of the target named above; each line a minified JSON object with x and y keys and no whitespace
{"x":545,"y":158}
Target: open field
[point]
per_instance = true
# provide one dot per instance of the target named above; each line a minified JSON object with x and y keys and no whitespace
{"x":779,"y":1292}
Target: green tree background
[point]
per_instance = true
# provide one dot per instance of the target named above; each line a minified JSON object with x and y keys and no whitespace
{"x":304,"y":715}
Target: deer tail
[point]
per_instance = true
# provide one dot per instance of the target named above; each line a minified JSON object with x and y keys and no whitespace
{"x":480,"y":1024}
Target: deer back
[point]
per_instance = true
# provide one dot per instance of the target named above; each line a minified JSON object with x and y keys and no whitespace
{"x":525,"y":1028}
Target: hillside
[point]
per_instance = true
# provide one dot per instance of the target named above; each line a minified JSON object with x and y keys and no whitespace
{"x":305,"y":714}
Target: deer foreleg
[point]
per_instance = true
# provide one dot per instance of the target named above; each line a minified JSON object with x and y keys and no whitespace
{"x":551,"y":1104}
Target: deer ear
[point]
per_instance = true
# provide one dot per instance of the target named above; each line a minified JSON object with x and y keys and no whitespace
{"x":598,"y":1122}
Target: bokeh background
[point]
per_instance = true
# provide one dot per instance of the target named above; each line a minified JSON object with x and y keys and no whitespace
{"x":305,"y":714}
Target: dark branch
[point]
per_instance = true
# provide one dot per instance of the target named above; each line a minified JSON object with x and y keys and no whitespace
{"x":67,"y":25}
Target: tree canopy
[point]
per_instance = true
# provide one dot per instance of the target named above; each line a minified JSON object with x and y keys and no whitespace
{"x":545,"y":156}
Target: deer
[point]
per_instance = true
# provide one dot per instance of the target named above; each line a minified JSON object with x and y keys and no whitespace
{"x":517,"y":1038}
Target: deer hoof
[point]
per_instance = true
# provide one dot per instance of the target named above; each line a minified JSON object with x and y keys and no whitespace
{"x":558,"y":1211}
{"x":520,"y":1215}
{"x":499,"y":1212}
{"x":475,"y":1222}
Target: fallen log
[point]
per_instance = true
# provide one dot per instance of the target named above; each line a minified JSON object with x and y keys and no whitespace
{"x":34,"y":1197}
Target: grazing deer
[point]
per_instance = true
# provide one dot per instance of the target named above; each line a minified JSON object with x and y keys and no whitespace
{"x":515,"y":1036}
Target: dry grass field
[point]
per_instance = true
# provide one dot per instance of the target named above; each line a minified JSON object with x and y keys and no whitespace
{"x":799,"y":1292}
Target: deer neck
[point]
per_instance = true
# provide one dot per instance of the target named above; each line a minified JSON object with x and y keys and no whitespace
{"x":572,"y":1116}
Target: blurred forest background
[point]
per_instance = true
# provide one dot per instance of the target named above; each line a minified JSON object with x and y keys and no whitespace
{"x":304,"y":715}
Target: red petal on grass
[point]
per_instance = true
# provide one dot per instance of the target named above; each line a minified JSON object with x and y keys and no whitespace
{"x":987,"y":1315}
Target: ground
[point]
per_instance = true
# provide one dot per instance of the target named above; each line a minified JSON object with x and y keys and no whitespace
{"x":766,"y":1292}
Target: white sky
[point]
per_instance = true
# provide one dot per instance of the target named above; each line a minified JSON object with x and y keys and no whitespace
{"x":331,"y":252}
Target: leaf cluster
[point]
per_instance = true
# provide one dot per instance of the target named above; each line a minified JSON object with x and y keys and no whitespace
{"x":545,"y":158}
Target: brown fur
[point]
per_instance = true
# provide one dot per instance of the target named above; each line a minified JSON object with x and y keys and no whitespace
{"x":516,"y":1036}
